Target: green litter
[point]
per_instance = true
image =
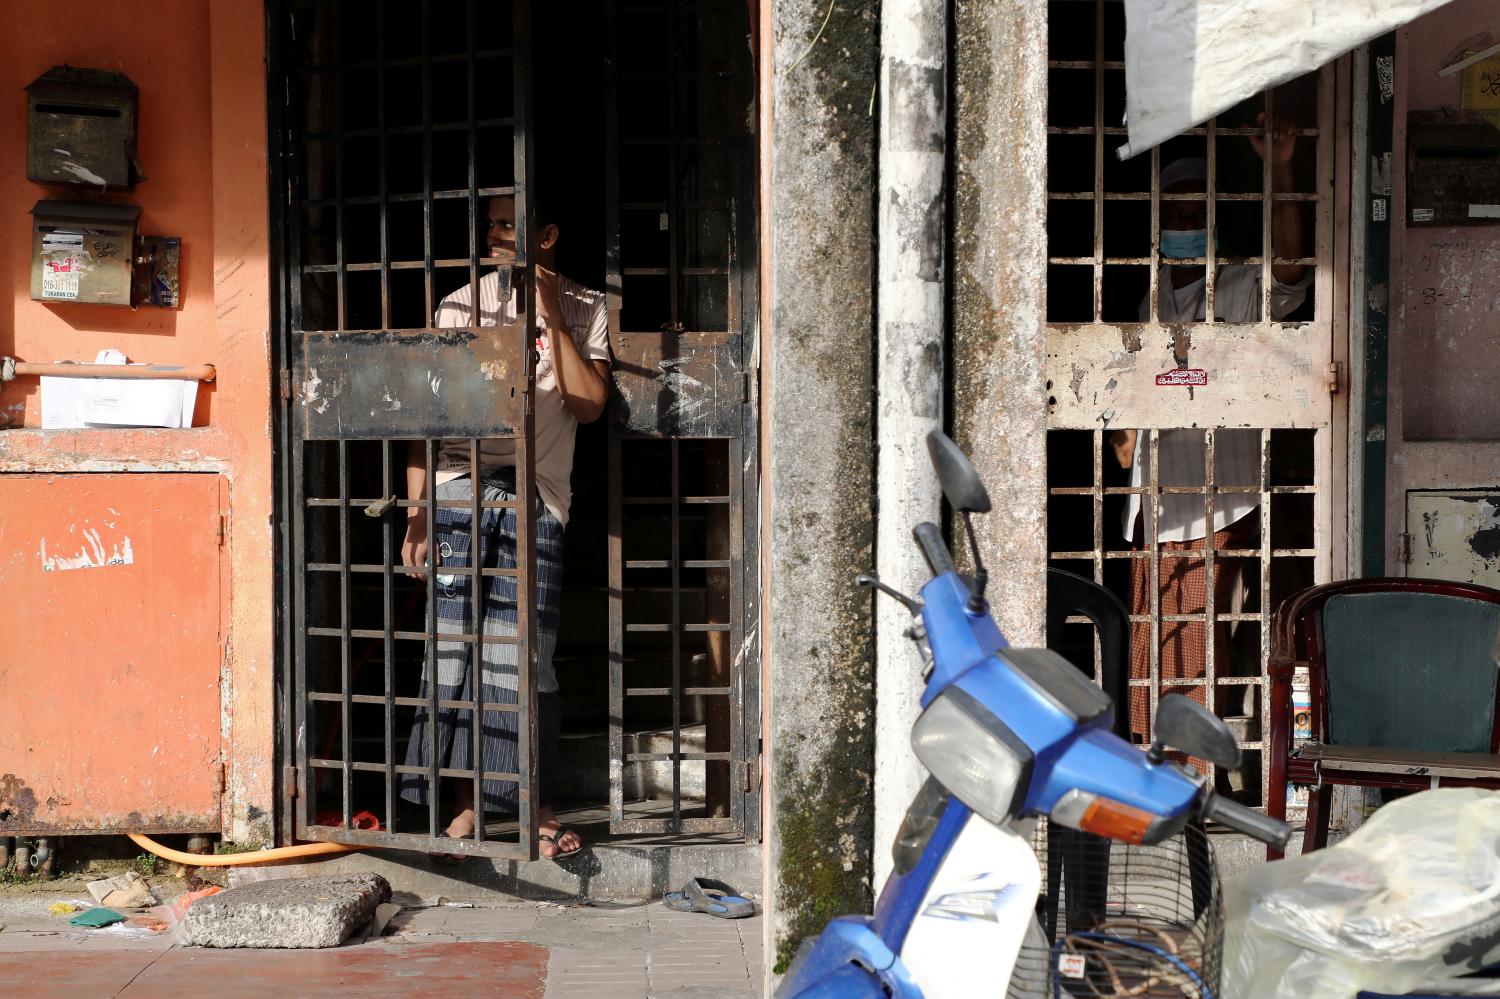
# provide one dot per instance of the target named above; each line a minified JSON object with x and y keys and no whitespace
{"x":96,"y":918}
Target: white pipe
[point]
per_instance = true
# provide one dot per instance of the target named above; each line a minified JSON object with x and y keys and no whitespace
{"x":909,"y":374}
{"x":1463,"y":64}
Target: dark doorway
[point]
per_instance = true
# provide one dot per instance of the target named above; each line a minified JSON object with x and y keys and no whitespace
{"x":394,"y":123}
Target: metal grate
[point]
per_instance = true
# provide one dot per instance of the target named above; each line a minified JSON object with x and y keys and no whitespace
{"x":1115,"y":362}
{"x":684,"y":710}
{"x":390,"y":148}
{"x":1279,"y":556}
{"x":1101,"y":263}
{"x":676,"y":613}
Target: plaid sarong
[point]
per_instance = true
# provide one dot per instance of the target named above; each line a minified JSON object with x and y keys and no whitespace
{"x":1184,"y":590}
{"x":452,"y":546}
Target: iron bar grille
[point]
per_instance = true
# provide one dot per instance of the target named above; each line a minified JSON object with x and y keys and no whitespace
{"x":680,"y":190}
{"x":1104,"y":310}
{"x":401,"y":121}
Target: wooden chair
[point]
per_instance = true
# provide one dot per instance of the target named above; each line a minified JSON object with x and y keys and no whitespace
{"x":1402,"y":677}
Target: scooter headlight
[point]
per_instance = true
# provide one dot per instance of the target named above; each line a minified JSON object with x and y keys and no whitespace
{"x":975,"y":756}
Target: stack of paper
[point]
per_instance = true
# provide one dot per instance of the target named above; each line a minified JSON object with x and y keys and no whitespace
{"x":74,"y":403}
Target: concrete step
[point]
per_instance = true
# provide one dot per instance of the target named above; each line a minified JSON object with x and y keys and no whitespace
{"x":583,"y":766}
{"x":1245,"y":728}
{"x":635,"y":868}
{"x":604,"y":872}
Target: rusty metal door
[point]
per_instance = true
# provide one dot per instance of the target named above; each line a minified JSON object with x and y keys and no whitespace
{"x":680,"y":188}
{"x":111,"y":675}
{"x":1241,"y":404}
{"x":394,"y":125}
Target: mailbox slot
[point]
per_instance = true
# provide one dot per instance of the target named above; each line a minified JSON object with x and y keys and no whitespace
{"x":81,"y":129}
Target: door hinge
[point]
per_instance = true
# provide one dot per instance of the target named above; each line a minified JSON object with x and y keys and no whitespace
{"x":746,"y":384}
{"x":752,"y":776}
{"x":1405,"y":548}
{"x":286,"y":384}
{"x":220,"y":528}
{"x":223,"y":776}
{"x":289,"y":780}
{"x":1335,"y":376}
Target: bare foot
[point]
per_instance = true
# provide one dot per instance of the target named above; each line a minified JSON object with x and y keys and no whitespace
{"x":548,"y":825}
{"x":462,"y":826}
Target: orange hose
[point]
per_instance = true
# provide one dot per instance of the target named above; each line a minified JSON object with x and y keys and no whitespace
{"x":236,"y":859}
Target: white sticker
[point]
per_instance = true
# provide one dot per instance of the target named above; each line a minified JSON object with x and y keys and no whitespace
{"x":1423,"y":214}
{"x":1385,"y":75}
{"x":1484,"y":211}
{"x":1071,"y":965}
{"x":62,"y":260}
{"x":1377,"y":210}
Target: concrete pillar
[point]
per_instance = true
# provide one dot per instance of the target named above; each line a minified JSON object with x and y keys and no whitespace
{"x":817,"y":387}
{"x":909,"y":374}
{"x":999,"y":293}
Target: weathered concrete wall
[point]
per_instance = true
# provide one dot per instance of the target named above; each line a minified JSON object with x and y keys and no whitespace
{"x":203,"y":148}
{"x":909,"y":374}
{"x":818,"y":387}
{"x":999,"y":293}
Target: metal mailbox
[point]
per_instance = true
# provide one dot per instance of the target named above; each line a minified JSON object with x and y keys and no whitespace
{"x":81,"y":128}
{"x":1453,"y":169}
{"x":83,"y":252}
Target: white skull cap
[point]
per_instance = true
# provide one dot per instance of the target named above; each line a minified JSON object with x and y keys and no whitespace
{"x":1186,"y":168}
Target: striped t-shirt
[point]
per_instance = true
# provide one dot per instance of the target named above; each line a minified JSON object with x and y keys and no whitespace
{"x":585,"y":315}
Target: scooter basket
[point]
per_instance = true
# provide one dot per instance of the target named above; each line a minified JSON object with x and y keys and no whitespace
{"x":1119,"y":920}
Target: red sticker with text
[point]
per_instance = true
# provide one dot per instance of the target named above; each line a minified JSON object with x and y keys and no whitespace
{"x":1183,"y":376}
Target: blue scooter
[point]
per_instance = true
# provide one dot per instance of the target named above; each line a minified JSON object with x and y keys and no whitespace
{"x":1007,"y":735}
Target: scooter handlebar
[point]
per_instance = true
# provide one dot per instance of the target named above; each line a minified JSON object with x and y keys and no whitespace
{"x":1248,"y":821}
{"x":930,"y":540}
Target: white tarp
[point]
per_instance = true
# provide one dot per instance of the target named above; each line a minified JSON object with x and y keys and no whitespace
{"x":1188,"y":60}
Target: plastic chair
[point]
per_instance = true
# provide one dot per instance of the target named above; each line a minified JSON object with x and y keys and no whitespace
{"x":1081,"y":858}
{"x":1084,"y":858}
{"x":1071,"y":595}
{"x":1402,"y":678}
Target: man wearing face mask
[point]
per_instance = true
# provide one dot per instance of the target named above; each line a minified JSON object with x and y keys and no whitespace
{"x":1181,"y":518}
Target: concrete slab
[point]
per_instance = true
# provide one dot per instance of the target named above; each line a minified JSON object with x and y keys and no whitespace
{"x":603,"y":871}
{"x":294,"y":913}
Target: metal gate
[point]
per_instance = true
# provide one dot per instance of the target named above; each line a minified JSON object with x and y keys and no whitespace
{"x":1259,"y":383}
{"x":393,"y":124}
{"x":682,"y":275}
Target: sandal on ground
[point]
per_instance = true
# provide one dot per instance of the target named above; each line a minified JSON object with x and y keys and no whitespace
{"x":556,"y":840}
{"x":713,"y":897}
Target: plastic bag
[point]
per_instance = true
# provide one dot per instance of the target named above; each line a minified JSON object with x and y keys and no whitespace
{"x":1410,"y":898}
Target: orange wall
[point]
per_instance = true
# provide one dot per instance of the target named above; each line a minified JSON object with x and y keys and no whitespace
{"x":200,"y":69}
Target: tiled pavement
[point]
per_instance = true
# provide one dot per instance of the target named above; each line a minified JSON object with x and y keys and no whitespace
{"x":604,"y":951}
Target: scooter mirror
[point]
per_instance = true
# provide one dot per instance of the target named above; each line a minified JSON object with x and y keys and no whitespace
{"x":960,"y":482}
{"x":1186,"y":725}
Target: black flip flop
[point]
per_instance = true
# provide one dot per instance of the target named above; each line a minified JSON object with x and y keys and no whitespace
{"x":713,"y":897}
{"x":554,"y":838}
